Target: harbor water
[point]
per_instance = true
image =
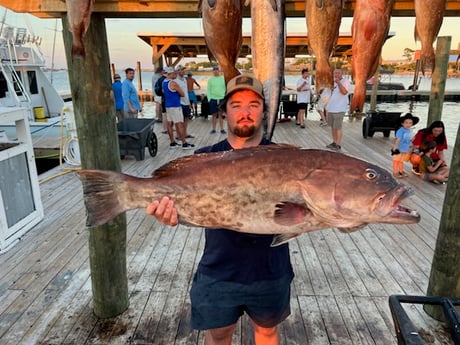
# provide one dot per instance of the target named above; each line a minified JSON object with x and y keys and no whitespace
{"x":450,"y":111}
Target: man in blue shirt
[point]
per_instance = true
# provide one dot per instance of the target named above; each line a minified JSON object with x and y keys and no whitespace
{"x":130,"y":96}
{"x":238,"y":272}
{"x":118,"y":96}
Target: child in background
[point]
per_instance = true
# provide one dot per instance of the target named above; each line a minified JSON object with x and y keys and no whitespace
{"x":429,"y":171}
{"x":401,"y":149}
{"x":324,"y":95}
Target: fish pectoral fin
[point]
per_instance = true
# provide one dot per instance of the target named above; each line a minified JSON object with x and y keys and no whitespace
{"x":352,"y":228}
{"x":290,"y":213}
{"x":282,"y":238}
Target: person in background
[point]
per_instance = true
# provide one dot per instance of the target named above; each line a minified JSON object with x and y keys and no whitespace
{"x":157,"y":98}
{"x":184,"y":101}
{"x":303,"y":88}
{"x":337,"y":107}
{"x":172,"y":94}
{"x":118,"y":96}
{"x":435,"y":132}
{"x":238,"y":272}
{"x":401,"y":149}
{"x":132,"y":105}
{"x":436,"y":172}
{"x":324,"y":95}
{"x":191,"y":82}
{"x":216,"y":93}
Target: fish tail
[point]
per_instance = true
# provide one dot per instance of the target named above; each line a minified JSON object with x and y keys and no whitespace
{"x":427,"y":59}
{"x":358,"y":100}
{"x":102,"y":195}
{"x":78,"y":50}
{"x":78,"y":47}
{"x":324,"y":75}
{"x":230,"y":73}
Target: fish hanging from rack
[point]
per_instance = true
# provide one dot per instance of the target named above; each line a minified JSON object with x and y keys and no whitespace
{"x":79,"y":15}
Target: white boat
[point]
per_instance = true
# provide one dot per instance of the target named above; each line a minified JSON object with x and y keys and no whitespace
{"x":24,"y":84}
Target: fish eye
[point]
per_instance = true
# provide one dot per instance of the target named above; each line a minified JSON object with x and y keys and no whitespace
{"x":371,"y":174}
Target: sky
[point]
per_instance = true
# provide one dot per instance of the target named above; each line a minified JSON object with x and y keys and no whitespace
{"x":126,"y":48}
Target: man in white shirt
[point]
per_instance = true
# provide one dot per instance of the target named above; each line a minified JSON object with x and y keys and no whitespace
{"x":337,"y":107}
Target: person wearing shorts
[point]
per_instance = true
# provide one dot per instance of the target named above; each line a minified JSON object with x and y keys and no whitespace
{"x":172,"y":94}
{"x":191,"y":82}
{"x":238,"y":272}
{"x":216,"y":92}
{"x":303,"y":88}
{"x":336,"y":108}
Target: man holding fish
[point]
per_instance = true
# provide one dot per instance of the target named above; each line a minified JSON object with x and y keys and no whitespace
{"x":238,"y":272}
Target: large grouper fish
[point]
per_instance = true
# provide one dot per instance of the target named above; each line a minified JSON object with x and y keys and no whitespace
{"x":274,"y":189}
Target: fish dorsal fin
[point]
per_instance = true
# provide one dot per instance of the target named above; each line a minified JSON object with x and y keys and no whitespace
{"x":180,"y":163}
{"x":271,"y":147}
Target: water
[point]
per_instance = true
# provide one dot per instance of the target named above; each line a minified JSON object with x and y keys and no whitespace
{"x":61,"y":81}
{"x":450,"y":112}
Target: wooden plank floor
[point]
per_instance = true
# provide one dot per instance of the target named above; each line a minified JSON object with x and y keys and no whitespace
{"x":340,"y":291}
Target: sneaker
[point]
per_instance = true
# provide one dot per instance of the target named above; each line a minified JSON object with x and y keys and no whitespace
{"x":187,"y":146}
{"x":322,"y":124}
{"x":222,"y":131}
{"x":173,"y":145}
{"x":213,"y":131}
{"x":331,"y":146}
{"x":397,"y":175}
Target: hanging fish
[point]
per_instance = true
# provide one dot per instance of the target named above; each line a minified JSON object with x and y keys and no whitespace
{"x":78,"y":15}
{"x":222,"y":26}
{"x":323,"y":23}
{"x":371,"y":23}
{"x":268,"y":44}
{"x":428,"y":21}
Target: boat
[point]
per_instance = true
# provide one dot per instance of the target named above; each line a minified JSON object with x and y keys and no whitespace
{"x":23,"y":84}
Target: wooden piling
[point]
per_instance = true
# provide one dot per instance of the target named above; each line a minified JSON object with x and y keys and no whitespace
{"x":93,"y":102}
{"x":445,"y":272}
{"x":438,"y":79}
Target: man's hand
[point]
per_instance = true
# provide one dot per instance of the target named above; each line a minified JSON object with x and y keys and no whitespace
{"x":163,"y":210}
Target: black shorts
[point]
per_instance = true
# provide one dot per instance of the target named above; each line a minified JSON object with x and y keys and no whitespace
{"x":214,"y":105}
{"x":302,"y":106}
{"x":218,"y":304}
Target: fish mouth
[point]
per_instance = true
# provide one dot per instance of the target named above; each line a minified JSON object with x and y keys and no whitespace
{"x":397,"y":211}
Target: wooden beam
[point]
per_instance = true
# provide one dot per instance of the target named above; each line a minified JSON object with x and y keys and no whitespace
{"x":187,"y":9}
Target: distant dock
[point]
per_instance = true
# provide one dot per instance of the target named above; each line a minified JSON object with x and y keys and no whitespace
{"x":409,"y":95}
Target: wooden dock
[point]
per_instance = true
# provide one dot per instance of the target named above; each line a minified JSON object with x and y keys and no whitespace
{"x":339,"y":294}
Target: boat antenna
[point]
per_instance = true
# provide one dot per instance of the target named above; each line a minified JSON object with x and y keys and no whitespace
{"x":3,"y":20}
{"x":54,"y":47}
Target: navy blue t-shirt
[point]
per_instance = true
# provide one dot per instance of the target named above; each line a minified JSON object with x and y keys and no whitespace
{"x":240,"y":257}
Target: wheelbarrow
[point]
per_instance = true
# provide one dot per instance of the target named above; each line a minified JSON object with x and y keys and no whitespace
{"x":134,"y":135}
{"x":381,"y":121}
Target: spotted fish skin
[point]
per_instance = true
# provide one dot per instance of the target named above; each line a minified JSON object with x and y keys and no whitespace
{"x":263,"y":190}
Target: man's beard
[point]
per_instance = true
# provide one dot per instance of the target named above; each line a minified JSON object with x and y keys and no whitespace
{"x":245,"y":131}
